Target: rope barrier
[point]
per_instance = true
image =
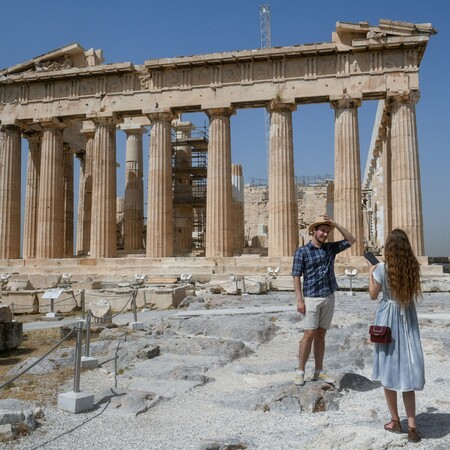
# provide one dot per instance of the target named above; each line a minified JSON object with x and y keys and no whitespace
{"x":105,"y":296}
{"x":126,"y":304}
{"x":40,"y":359}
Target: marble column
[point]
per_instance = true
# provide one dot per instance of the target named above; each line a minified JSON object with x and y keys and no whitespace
{"x":347,"y":171}
{"x":237,"y":183}
{"x":32,"y":195}
{"x":283,"y":208}
{"x":183,"y":210}
{"x":219,"y":225}
{"x":103,"y":220}
{"x":85,"y":194}
{"x":159,"y":241}
{"x":134,"y":187}
{"x":387,"y":181}
{"x":50,"y":232}
{"x":406,"y":193}
{"x":68,"y":202}
{"x":10,"y":197}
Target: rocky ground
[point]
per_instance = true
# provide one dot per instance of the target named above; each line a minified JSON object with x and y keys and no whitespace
{"x":220,"y":377}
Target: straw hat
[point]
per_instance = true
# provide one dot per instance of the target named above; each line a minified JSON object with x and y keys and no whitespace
{"x":319,"y":222}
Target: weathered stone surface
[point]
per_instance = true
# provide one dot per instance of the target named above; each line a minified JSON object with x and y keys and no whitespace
{"x":45,"y":366}
{"x":149,"y":353}
{"x":5,"y":313}
{"x":11,"y":335}
{"x":126,"y":401}
{"x":190,"y":299}
{"x":101,"y":312}
{"x":23,"y":301}
{"x":14,"y":414}
{"x":286,"y":398}
{"x":6,"y":432}
{"x":228,"y":443}
{"x":19,"y":285}
{"x":257,"y":331}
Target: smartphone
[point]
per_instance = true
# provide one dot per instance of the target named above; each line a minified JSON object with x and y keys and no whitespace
{"x":371,"y":258}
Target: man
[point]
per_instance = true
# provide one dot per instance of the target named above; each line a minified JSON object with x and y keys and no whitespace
{"x":315,"y":262}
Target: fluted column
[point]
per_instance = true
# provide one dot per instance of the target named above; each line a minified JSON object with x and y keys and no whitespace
{"x":387,"y":181}
{"x":10,"y":161}
{"x":183,"y":210}
{"x":283,"y":209}
{"x":406,"y":192}
{"x":347,"y":170}
{"x":50,"y":233}
{"x":219,"y":225}
{"x":85,"y":194}
{"x":68,"y":202}
{"x":80,"y":249}
{"x":160,"y":205}
{"x":103,"y":220}
{"x":32,"y":195}
{"x":134,"y":185}
{"x":237,"y":183}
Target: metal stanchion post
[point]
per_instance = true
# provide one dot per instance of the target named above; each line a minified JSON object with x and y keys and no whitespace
{"x":76,"y":381}
{"x":83,"y":303}
{"x":12,"y":310}
{"x":88,"y":333}
{"x":77,"y":401}
{"x":133,"y":301}
{"x":351,"y":274}
{"x":135,"y":325}
{"x":87,"y":361}
{"x":52,"y":305}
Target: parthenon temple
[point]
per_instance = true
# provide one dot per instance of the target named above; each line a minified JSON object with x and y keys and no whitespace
{"x":69,"y":104}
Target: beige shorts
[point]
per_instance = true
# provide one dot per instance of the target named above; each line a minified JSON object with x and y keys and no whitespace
{"x":319,"y":312}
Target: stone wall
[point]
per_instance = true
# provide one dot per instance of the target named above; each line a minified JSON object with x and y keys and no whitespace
{"x":313,"y":200}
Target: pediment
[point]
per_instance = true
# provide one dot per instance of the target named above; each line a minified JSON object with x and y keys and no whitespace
{"x":72,"y":55}
{"x":347,"y":32}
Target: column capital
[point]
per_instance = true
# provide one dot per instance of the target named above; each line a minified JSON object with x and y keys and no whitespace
{"x":32,"y":136}
{"x":407,"y":96}
{"x":161,"y":116}
{"x":280,"y":105}
{"x":50,"y":122}
{"x":222,"y":111}
{"x":107,"y":121}
{"x":345,"y":102}
{"x":132,"y":129}
{"x":9,"y":127}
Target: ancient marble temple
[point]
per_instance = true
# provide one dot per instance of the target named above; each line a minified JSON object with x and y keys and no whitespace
{"x":69,"y":104}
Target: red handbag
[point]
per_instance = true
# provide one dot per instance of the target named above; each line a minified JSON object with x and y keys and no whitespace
{"x":379,"y":334}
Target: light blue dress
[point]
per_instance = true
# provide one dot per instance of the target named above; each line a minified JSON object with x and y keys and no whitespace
{"x":399,"y":366}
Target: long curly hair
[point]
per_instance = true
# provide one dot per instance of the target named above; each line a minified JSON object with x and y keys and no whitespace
{"x":402,"y":267}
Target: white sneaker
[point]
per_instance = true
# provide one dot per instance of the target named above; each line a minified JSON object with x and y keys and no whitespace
{"x":322,"y":376}
{"x":299,"y":378}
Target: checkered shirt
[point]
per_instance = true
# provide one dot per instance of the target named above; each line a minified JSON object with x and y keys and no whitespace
{"x":317,"y":267}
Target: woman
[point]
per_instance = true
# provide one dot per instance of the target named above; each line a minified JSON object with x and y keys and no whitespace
{"x":398,"y":365}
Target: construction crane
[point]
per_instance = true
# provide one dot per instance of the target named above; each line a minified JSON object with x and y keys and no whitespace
{"x":266,"y":42}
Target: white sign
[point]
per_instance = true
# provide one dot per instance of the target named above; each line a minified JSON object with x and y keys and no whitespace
{"x":52,"y":293}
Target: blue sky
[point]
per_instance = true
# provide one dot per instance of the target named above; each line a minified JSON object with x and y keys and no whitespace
{"x":138,"y":30}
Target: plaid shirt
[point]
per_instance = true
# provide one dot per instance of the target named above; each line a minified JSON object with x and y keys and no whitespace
{"x":317,"y":267}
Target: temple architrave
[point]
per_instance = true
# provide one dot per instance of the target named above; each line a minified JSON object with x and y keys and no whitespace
{"x":68,"y":104}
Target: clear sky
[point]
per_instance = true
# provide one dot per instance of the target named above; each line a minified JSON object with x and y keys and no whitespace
{"x":138,"y":30}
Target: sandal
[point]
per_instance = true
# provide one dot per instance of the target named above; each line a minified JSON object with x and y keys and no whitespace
{"x":394,"y":426}
{"x":413,"y":435}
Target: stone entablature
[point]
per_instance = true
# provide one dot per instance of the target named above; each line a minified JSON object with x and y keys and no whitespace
{"x":362,"y":61}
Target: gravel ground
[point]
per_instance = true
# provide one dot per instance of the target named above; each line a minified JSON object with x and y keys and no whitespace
{"x":202,"y":419}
